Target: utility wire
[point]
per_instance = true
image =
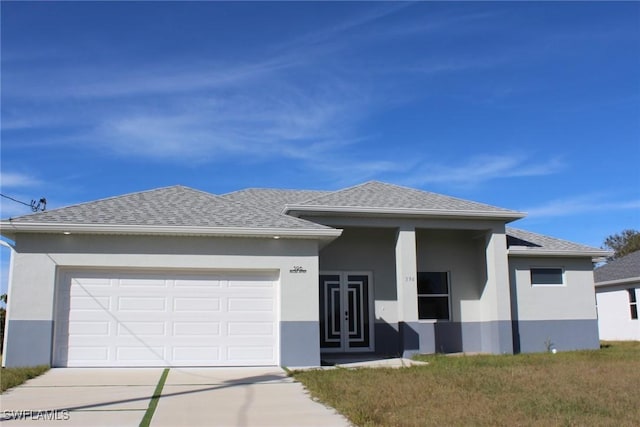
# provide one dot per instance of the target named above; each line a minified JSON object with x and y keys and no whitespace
{"x":40,"y":205}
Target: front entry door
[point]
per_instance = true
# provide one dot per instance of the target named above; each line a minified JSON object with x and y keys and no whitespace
{"x":346,"y":315}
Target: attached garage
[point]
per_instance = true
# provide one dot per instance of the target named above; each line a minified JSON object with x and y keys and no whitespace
{"x":151,"y":318}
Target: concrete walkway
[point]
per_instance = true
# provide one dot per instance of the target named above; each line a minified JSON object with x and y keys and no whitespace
{"x":190,"y":397}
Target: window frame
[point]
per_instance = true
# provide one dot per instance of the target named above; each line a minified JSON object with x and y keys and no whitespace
{"x":447,"y":295}
{"x":563,"y":281}
{"x":633,"y":303}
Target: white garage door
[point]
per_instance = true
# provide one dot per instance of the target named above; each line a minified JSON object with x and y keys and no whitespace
{"x":168,"y":319}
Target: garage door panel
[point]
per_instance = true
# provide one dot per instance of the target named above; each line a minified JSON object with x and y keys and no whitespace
{"x":88,"y":354}
{"x":179,"y":319}
{"x":139,"y":353}
{"x":92,"y":282}
{"x":253,"y":329}
{"x":249,"y":304}
{"x":195,"y":353}
{"x":197,"y":284}
{"x":91,"y":302}
{"x":142,"y":329}
{"x":142,"y":304}
{"x":97,"y":328}
{"x":134,"y":283}
{"x":193,"y":304}
{"x":191,"y":329}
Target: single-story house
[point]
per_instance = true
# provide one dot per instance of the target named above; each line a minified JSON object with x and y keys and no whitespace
{"x":617,"y":295}
{"x":180,"y":277}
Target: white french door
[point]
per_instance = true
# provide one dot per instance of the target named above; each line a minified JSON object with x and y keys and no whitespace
{"x":346,"y":312}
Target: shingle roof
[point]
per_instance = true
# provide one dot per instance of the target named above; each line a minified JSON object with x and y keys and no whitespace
{"x":170,"y":206}
{"x":627,"y":267}
{"x":180,"y":206}
{"x":380,"y":195}
{"x":271,"y":198}
{"x":533,"y":242}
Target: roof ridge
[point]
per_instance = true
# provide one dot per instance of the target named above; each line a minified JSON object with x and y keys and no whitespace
{"x":272,"y":189}
{"x":406,"y":188}
{"x":338,"y":191}
{"x":264,"y":210}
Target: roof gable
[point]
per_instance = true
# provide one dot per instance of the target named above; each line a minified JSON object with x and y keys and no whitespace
{"x":375,"y":195}
{"x":626,"y":267}
{"x":176,"y":206}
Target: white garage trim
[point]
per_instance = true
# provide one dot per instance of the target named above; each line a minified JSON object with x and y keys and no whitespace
{"x":166,"y":318}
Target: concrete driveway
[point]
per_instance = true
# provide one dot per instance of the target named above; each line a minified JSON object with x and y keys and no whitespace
{"x":190,"y":397}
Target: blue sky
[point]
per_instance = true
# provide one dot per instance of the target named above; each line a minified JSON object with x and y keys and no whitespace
{"x":533,"y":106}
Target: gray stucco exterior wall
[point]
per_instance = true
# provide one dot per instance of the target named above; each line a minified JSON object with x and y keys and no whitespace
{"x":28,"y":343}
{"x":299,"y":344}
{"x":471,"y":337}
{"x":574,"y":334}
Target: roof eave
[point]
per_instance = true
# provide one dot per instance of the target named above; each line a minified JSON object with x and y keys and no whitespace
{"x":595,"y":255}
{"x":618,"y":282}
{"x":13,"y":228}
{"x":296,"y":210}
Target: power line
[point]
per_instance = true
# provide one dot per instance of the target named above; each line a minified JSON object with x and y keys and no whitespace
{"x":40,"y":205}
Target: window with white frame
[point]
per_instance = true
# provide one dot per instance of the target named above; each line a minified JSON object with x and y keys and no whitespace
{"x":433,"y":295}
{"x":547,"y":276}
{"x":633,"y":303}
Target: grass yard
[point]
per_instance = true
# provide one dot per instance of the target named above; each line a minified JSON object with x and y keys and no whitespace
{"x":600,"y":387}
{"x":11,"y":377}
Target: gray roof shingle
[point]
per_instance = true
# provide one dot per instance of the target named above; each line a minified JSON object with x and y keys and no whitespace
{"x":626,"y":267}
{"x":170,"y":206}
{"x":538,"y":242}
{"x":375,"y":194}
{"x":271,"y":198}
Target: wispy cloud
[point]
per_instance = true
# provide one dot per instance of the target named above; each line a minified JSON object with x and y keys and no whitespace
{"x":303,"y":99}
{"x":10,"y":180}
{"x":484,"y":168}
{"x":580,"y":205}
{"x":283,"y":121}
{"x":338,"y":30}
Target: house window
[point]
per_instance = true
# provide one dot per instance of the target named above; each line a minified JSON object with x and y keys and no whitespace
{"x":547,"y":276}
{"x":633,"y":303}
{"x":433,"y":295}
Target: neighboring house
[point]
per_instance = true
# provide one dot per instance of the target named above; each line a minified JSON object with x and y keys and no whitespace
{"x":180,"y":277}
{"x":617,"y":294}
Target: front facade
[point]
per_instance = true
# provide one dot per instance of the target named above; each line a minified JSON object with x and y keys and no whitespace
{"x":618,"y":293}
{"x":178,"y":277}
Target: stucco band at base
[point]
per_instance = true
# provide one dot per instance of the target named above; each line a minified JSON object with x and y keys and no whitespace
{"x":471,"y":337}
{"x":299,"y":344}
{"x":387,"y":339}
{"x":28,"y":343}
{"x":532,"y":336}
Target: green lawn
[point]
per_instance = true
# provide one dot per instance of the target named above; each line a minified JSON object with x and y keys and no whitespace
{"x":11,"y":377}
{"x":600,"y":387}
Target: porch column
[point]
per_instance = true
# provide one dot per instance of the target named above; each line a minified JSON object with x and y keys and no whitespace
{"x":497,"y":336}
{"x":406,"y":285}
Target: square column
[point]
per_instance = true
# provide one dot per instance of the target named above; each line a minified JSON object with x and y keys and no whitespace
{"x":406,"y":285}
{"x":497,"y":336}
